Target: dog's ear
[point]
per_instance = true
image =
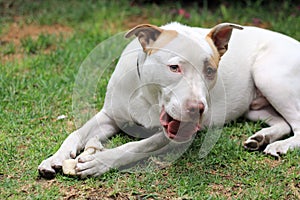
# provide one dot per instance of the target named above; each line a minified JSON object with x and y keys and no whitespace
{"x":220,"y":35}
{"x":146,"y":33}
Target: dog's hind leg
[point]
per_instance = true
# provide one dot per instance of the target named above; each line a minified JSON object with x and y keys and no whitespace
{"x":278,"y":80}
{"x":291,"y":113}
{"x":101,"y":125}
{"x":278,"y":129}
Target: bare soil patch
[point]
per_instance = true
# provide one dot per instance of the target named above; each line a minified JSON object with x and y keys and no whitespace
{"x":16,"y":32}
{"x":135,"y":20}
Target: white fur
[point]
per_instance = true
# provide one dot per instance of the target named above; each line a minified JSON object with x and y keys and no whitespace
{"x":256,"y":59}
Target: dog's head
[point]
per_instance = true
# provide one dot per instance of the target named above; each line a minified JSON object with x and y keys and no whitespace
{"x":180,"y":68}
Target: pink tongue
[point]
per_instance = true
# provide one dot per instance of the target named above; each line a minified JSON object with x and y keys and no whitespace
{"x":173,"y":127}
{"x":186,"y":129}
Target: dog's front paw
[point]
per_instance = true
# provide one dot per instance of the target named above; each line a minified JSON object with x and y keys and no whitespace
{"x":45,"y":169}
{"x":255,"y":142}
{"x":48,"y":168}
{"x":94,"y":165}
{"x":277,"y":148}
{"x":68,"y":149}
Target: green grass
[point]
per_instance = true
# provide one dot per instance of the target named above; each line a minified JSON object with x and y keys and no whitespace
{"x":36,"y":85}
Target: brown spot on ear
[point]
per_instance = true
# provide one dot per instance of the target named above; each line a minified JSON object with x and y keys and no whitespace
{"x":215,"y":58}
{"x":165,"y":37}
{"x":146,"y":33}
{"x":220,"y":35}
{"x":151,"y":37}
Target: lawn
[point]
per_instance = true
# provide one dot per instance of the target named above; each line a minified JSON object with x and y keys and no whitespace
{"x":42,"y":46}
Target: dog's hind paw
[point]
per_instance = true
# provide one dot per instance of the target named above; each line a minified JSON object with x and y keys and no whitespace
{"x":255,"y":142}
{"x":281,"y":147}
{"x":277,"y":148}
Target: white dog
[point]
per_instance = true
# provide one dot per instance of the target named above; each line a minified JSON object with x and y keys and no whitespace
{"x":174,"y":80}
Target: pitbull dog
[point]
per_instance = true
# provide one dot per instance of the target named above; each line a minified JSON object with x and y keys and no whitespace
{"x":175,"y":80}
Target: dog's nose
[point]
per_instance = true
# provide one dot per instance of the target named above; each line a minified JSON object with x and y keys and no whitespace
{"x":195,"y":107}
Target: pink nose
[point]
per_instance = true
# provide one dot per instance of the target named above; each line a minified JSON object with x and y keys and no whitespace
{"x":195,"y":107}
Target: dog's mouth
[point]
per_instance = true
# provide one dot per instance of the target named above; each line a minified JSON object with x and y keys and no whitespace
{"x":178,"y":130}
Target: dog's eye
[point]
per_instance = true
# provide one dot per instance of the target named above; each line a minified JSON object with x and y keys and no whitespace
{"x":175,"y":68}
{"x":210,"y":72}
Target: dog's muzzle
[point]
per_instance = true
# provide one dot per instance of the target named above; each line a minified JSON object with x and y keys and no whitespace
{"x":178,"y":130}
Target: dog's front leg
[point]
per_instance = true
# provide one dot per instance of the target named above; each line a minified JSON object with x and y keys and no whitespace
{"x":100,"y":125}
{"x":103,"y":161}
